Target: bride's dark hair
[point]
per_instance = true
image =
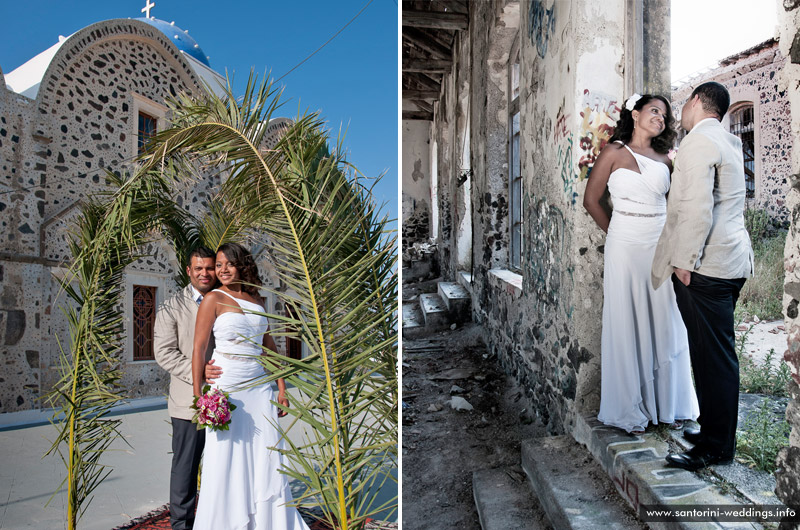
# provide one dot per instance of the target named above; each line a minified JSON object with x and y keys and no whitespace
{"x":661,"y":143}
{"x":241,"y":258}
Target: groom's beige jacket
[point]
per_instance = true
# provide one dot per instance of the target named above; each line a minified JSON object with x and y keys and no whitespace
{"x":173,"y":338}
{"x":704,"y":231}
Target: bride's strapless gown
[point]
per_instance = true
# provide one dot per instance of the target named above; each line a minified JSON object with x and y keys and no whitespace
{"x":241,"y":488}
{"x":646,"y":370}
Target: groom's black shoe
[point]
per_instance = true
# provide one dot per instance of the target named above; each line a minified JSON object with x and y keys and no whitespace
{"x":694,"y":460}
{"x":691,"y":435}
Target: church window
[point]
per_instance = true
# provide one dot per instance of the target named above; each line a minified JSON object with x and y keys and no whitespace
{"x":515,"y":170}
{"x":742,"y":125}
{"x":144,"y":319}
{"x":147,"y":129}
{"x":148,"y":117}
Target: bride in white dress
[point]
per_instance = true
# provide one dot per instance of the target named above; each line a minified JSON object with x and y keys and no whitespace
{"x":646,"y":371}
{"x":241,"y":487}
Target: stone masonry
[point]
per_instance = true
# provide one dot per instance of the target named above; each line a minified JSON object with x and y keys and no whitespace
{"x":753,"y":77}
{"x":54,"y":151}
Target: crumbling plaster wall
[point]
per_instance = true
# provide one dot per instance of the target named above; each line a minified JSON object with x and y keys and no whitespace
{"x":756,"y":79}
{"x":450,"y":114}
{"x":416,"y":182}
{"x":788,"y":472}
{"x":493,"y":30}
{"x":544,"y":322}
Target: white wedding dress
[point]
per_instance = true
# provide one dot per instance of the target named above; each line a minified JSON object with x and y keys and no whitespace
{"x":240,"y":487}
{"x":646,"y":374}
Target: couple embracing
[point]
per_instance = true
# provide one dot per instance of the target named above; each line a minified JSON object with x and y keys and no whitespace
{"x":656,"y":333}
{"x":209,"y":331}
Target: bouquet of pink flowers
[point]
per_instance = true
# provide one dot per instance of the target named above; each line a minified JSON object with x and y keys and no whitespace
{"x":212,"y":409}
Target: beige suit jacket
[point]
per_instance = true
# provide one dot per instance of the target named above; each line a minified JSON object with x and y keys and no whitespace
{"x":704,"y":231}
{"x":173,"y":338}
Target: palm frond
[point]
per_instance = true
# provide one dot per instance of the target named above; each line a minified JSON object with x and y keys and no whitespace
{"x":330,"y":248}
{"x":103,"y":243}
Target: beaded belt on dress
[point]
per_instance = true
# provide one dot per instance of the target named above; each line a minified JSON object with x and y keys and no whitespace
{"x":235,"y":357}
{"x":633,"y":214}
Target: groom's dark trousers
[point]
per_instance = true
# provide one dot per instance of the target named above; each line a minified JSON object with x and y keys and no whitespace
{"x":187,"y":448}
{"x":706,"y":306}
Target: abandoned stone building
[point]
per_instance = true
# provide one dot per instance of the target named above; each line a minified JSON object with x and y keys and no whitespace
{"x":759,"y":116}
{"x":506,"y":106}
{"x":495,"y":161}
{"x":81,"y":107}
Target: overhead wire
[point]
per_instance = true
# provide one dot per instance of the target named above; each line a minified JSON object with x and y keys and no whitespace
{"x":326,"y":42}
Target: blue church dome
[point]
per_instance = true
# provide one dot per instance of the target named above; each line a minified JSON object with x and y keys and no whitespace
{"x":179,"y":38}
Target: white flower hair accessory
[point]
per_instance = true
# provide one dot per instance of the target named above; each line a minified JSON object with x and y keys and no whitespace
{"x":632,"y":101}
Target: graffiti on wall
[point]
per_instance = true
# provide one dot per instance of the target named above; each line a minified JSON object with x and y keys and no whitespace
{"x":600,"y":113}
{"x":628,"y":488}
{"x":541,"y":26}
{"x":567,"y":169}
{"x":551,"y":270}
{"x":560,"y":128}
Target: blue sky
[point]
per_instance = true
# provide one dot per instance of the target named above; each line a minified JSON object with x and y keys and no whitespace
{"x":352,"y":80}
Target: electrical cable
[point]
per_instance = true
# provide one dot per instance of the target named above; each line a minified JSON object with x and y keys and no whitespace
{"x":326,"y":43}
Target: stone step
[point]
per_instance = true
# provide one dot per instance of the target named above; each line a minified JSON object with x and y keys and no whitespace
{"x":457,"y":299}
{"x":413,"y":320}
{"x":572,"y":488}
{"x":434,"y":311}
{"x":636,"y":465}
{"x":504,"y":499}
{"x":465,"y":280}
{"x":412,"y":315}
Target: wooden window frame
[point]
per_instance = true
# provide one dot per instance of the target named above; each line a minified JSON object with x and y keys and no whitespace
{"x":142,"y":135}
{"x":744,"y":129}
{"x":145,"y":299}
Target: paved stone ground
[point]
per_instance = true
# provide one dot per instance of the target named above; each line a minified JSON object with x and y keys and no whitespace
{"x":138,"y":484}
{"x":762,"y":337}
{"x":442,"y":446}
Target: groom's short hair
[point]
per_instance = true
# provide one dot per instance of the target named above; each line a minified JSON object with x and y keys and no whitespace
{"x":714,"y":97}
{"x":201,"y":252}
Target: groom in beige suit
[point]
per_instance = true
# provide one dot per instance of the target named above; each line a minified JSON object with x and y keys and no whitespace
{"x":173,"y":342}
{"x":705,"y":249}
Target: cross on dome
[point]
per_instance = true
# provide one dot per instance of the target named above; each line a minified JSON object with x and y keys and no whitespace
{"x":147,"y":7}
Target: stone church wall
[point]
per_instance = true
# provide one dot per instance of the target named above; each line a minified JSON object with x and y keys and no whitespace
{"x":54,"y":151}
{"x":756,"y":79}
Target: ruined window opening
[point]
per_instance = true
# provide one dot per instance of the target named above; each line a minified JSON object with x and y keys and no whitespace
{"x":514,"y":171}
{"x":742,"y":125}
{"x":144,"y":319}
{"x":147,"y":129}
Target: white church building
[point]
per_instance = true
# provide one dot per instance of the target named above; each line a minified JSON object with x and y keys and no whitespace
{"x":83,"y":106}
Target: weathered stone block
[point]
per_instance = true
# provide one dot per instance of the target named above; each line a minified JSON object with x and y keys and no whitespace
{"x":33,"y":358}
{"x":15,"y":326}
{"x":787,"y":476}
